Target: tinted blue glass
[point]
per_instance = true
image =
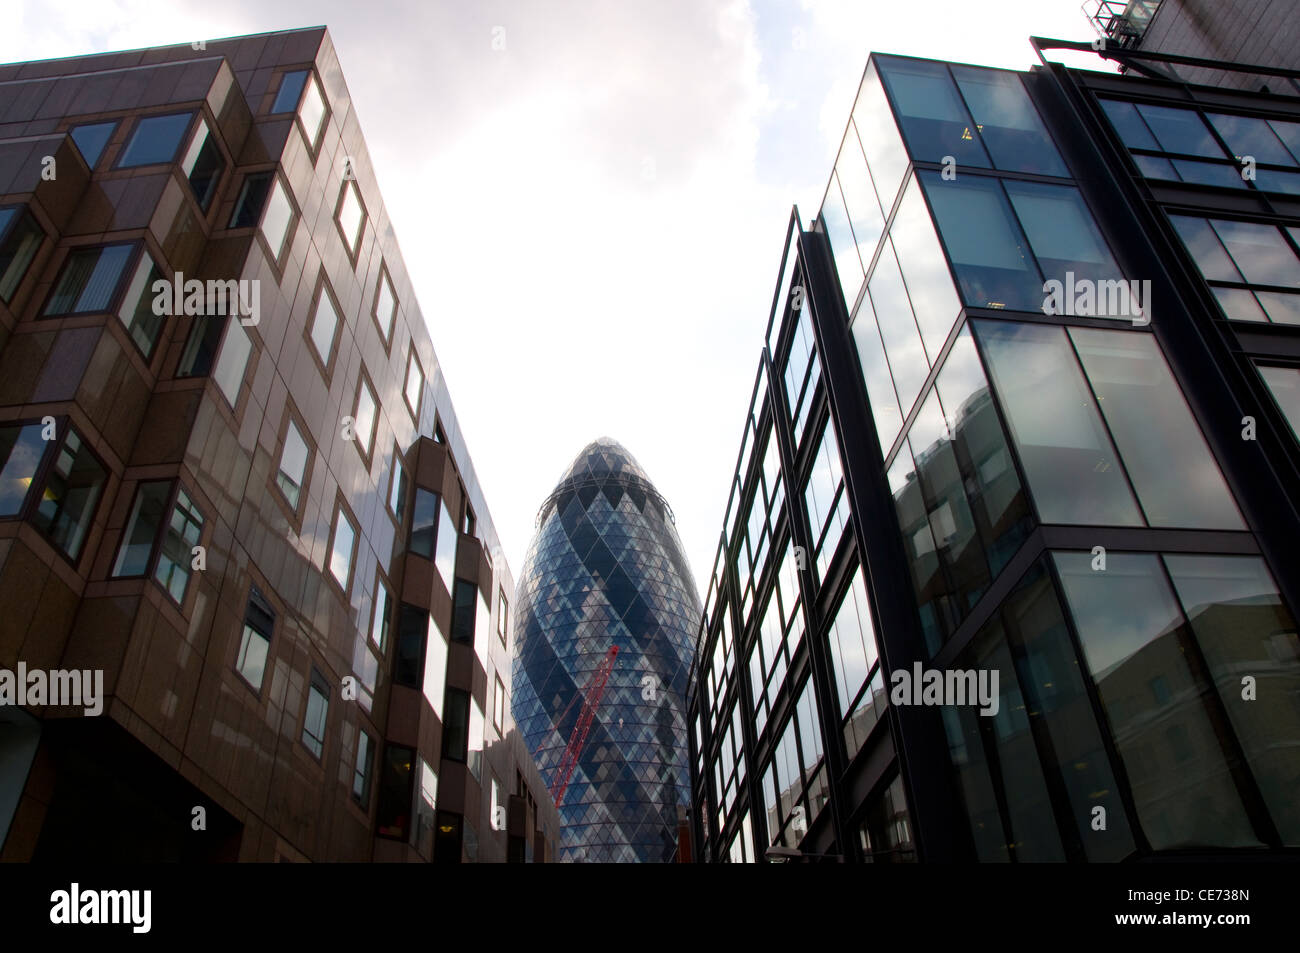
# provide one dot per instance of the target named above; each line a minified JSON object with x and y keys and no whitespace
{"x":984,"y":242}
{"x":1124,"y":117}
{"x":1246,"y":136}
{"x":1209,"y":173}
{"x":291,"y":84}
{"x":606,"y":568}
{"x":92,"y":138}
{"x":155,"y":140}
{"x":1008,"y":122}
{"x":1061,"y":231}
{"x":933,"y":118}
{"x":1180,"y":130}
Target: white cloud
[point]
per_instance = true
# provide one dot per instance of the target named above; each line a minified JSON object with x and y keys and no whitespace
{"x":592,"y":216}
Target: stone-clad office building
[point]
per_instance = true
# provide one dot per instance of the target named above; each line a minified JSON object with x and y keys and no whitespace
{"x":265,"y":531}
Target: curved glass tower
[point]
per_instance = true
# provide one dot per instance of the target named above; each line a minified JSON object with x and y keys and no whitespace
{"x":606,"y":570}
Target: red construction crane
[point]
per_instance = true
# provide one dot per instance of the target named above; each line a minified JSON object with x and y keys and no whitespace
{"x":591,"y":696}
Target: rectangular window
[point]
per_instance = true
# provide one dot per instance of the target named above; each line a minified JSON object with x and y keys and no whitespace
{"x":72,"y":489}
{"x":412,"y":634}
{"x":414,"y":389}
{"x":931,"y":113}
{"x":474,"y":756}
{"x":351,"y":218}
{"x":203,"y":165}
{"x":252,"y":197}
{"x":455,"y":729}
{"x":825,"y":497}
{"x":503,"y":616}
{"x":342,"y":547}
{"x":499,"y":706}
{"x":424,"y":517}
{"x":365,"y":417}
{"x":291,"y":87}
{"x":444,"y":558}
{"x":276,"y":220}
{"x":142,"y":526}
{"x":255,"y":642}
{"x":20,"y":239}
{"x":1007,"y":121}
{"x":425,"y":809}
{"x":136,"y":313}
{"x":90,"y":138}
{"x":1284,"y":384}
{"x":175,"y":560}
{"x":397,"y":488}
{"x":464,"y":598}
{"x":232,"y":362}
{"x":396,"y":794}
{"x":21,"y":451}
{"x":292,"y":471}
{"x":1068,"y":458}
{"x":1246,"y":253}
{"x":361,"y":770}
{"x":201,"y":346}
{"x":380,"y":621}
{"x":1242,"y":625}
{"x":89,"y":280}
{"x":318,"y":706}
{"x":1176,"y":478}
{"x":385,"y":305}
{"x":324,"y":325}
{"x":155,"y":140}
{"x":1133,"y":630}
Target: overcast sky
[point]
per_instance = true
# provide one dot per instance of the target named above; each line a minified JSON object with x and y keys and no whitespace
{"x":603,"y":192}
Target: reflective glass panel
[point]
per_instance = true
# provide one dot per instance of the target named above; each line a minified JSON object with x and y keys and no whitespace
{"x":1007,"y":121}
{"x":931,"y":113}
{"x":155,"y":140}
{"x":1072,"y":468}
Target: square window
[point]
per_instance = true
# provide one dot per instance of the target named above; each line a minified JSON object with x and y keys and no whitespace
{"x":155,"y":140}
{"x":255,"y":641}
{"x":365,"y":417}
{"x":318,"y":706}
{"x":385,"y":306}
{"x":203,"y":165}
{"x":20,"y":239}
{"x":350,"y":216}
{"x":89,"y":280}
{"x":342,"y":547}
{"x":292,"y":471}
{"x":72,"y":489}
{"x":414,"y":388}
{"x":90,"y":138}
{"x":21,"y":451}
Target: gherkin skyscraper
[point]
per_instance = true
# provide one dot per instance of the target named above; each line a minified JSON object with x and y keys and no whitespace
{"x":606,"y":572}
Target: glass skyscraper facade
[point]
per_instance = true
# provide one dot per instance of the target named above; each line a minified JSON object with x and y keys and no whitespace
{"x":606,"y":570}
{"x":1027,"y":407}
